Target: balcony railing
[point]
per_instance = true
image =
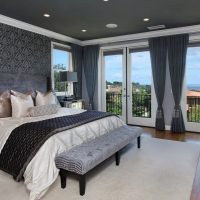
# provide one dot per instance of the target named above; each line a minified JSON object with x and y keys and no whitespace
{"x":114,"y":103}
{"x":193,"y":109}
{"x":141,"y":106}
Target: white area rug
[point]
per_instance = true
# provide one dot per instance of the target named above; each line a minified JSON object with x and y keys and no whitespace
{"x":160,"y":170}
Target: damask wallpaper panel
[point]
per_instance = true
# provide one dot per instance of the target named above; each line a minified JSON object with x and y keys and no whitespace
{"x":22,"y":51}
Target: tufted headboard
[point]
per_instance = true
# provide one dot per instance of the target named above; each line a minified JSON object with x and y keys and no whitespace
{"x":24,"y":82}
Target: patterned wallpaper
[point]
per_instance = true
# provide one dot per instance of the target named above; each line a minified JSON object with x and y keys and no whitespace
{"x":24,"y":52}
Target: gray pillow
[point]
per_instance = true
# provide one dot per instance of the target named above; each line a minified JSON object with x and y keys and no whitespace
{"x":5,"y":105}
{"x":42,"y":110}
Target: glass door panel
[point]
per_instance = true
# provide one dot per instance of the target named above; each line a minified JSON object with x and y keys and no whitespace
{"x":114,"y":82}
{"x":140,"y":89}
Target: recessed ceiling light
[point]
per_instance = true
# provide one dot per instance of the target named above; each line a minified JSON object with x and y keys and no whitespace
{"x":84,"y":30}
{"x":46,"y":15}
{"x":105,"y":0}
{"x":146,"y":19}
{"x":111,"y":25}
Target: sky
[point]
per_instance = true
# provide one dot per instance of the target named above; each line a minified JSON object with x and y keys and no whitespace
{"x":193,"y":66}
{"x":60,"y":57}
{"x":141,"y":67}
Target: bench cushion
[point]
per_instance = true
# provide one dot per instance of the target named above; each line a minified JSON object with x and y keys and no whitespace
{"x":84,"y":157}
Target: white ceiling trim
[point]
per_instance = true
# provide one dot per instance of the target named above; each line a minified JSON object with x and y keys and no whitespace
{"x":36,"y":29}
{"x":146,"y":35}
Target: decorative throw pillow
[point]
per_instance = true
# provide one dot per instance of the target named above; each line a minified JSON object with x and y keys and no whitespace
{"x":45,"y":99}
{"x":42,"y":110}
{"x":20,"y":105}
{"x":19,"y":94}
{"x":5,"y":105}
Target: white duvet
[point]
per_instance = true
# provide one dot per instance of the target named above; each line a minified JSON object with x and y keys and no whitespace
{"x":41,"y":171}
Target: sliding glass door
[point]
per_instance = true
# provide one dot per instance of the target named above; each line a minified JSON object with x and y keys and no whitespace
{"x":114,"y":82}
{"x":141,"y":101}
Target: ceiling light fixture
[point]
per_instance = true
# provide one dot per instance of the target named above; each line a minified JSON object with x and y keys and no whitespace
{"x":106,"y":0}
{"x":111,"y":26}
{"x":152,"y":28}
{"x":84,"y":30}
{"x":146,"y":19}
{"x":46,"y":15}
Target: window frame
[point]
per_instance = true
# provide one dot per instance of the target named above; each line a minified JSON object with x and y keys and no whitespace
{"x":68,"y":49}
{"x":102,"y":80}
{"x":190,"y":126}
{"x":140,"y":50}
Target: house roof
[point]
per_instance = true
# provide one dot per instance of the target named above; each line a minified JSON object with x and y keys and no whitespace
{"x":193,"y":94}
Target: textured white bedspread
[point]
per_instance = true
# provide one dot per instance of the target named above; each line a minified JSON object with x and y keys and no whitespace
{"x":41,"y":171}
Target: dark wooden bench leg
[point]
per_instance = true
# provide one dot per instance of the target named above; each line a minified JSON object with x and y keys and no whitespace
{"x":82,"y":183}
{"x":63,"y":177}
{"x":139,"y":142}
{"x":117,"y":158}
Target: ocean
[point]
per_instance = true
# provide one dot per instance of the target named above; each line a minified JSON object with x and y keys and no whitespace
{"x":194,"y":87}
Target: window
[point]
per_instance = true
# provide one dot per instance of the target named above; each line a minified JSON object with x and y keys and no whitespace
{"x":61,"y":56}
{"x":193,"y":84}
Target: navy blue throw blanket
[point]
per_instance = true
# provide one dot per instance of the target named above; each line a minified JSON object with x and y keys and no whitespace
{"x":25,"y":140}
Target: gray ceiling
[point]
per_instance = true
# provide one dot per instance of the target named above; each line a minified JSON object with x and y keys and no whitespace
{"x":69,"y":17}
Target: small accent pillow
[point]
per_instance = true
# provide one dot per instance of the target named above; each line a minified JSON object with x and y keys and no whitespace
{"x":5,"y":105}
{"x":20,"y":105}
{"x":45,"y":99}
{"x":42,"y":110}
{"x":19,"y":94}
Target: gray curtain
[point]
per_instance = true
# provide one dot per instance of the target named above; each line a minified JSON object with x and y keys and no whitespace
{"x":158,"y":52}
{"x":90,"y":63}
{"x":177,"y":50}
{"x":77,"y":62}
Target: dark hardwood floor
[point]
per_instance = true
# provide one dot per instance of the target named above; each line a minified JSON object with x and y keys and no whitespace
{"x":187,"y":137}
{"x":168,"y":135}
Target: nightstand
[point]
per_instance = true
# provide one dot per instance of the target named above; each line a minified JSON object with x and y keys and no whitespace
{"x":73,"y":104}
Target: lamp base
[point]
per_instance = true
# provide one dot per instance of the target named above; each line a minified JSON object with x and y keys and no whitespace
{"x":68,"y":98}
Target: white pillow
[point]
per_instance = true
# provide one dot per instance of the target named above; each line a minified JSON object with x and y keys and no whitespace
{"x":45,"y":99}
{"x":20,"y":105}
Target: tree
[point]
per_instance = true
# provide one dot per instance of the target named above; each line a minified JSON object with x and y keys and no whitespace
{"x":141,"y":100}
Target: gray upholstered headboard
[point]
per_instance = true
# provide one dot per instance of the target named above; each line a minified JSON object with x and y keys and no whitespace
{"x":24,"y":82}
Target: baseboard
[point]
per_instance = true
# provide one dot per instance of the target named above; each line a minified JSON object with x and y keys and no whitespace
{"x":167,"y":127}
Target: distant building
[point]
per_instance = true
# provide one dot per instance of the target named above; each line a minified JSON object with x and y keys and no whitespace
{"x":114,"y":88}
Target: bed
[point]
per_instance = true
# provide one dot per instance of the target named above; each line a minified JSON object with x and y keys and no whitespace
{"x":41,"y":172}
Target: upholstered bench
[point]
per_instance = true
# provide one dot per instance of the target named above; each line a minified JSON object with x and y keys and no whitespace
{"x":84,"y":157}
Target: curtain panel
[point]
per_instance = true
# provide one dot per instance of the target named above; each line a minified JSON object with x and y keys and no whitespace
{"x":90,"y":64}
{"x":158,"y":53}
{"x":177,"y":50}
{"x":77,"y":62}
